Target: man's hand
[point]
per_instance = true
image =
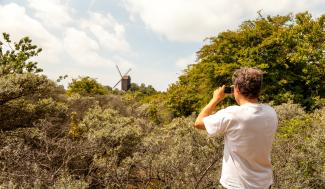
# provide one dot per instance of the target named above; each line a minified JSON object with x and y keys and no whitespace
{"x":219,"y":94}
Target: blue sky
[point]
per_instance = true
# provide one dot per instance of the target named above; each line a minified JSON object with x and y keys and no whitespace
{"x":156,"y":38}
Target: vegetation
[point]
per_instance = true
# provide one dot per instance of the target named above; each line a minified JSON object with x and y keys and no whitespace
{"x":86,"y":86}
{"x":15,"y":57}
{"x":289,"y":49}
{"x":92,"y":137}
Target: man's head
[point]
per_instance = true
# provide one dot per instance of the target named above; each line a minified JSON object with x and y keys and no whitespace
{"x":247,"y":82}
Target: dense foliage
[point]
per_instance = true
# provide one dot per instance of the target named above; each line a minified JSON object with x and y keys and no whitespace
{"x":110,"y":146}
{"x":92,"y":137}
{"x":289,"y":49}
{"x":86,"y":86}
{"x":143,"y":89}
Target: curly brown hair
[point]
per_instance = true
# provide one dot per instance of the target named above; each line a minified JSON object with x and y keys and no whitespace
{"x":249,"y":81}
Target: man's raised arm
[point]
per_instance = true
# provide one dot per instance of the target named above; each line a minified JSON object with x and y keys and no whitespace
{"x":218,"y":95}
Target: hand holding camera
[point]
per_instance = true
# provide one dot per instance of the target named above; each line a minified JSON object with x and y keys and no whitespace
{"x":221,"y":92}
{"x":229,"y":89}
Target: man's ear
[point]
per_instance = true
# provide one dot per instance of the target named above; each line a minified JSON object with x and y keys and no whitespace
{"x":236,"y":89}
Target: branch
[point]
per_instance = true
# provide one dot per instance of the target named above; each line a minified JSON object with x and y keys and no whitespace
{"x":206,"y":171}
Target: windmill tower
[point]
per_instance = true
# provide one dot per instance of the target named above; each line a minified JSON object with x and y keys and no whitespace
{"x":126,"y":80}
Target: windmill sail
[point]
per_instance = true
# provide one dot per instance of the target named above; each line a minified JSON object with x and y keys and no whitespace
{"x":126,"y":80}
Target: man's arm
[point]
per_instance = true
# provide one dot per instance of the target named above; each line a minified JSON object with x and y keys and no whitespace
{"x":218,"y":95}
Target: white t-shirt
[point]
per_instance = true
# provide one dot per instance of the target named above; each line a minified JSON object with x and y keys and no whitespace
{"x":248,"y":133}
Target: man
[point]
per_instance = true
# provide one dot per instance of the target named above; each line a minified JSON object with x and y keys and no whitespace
{"x":248,"y":131}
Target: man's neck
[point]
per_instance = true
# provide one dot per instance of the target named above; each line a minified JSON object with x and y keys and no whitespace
{"x":245,"y":101}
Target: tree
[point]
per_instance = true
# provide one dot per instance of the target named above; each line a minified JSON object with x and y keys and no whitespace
{"x":86,"y":86}
{"x":289,"y":49}
{"x":15,"y":57}
{"x":25,"y":97}
{"x":143,"y":89}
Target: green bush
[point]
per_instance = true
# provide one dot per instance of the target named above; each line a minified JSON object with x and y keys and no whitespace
{"x":26,"y":98}
{"x":178,"y":156}
{"x":130,"y":151}
{"x":289,"y":110}
{"x":298,"y":152}
{"x":86,"y":86}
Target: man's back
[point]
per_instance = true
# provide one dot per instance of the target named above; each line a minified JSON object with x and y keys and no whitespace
{"x":249,"y":132}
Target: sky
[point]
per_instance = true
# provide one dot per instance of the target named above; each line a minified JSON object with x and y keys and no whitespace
{"x":157,"y":39}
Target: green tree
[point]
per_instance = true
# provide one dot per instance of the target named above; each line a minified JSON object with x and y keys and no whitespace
{"x":15,"y":57}
{"x":86,"y":86}
{"x":25,"y":97}
{"x":289,"y":49}
{"x":143,"y":89}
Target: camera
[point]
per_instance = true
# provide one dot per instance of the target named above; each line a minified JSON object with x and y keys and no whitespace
{"x":229,"y":89}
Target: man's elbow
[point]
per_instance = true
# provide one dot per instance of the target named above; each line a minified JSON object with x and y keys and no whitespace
{"x":199,"y":124}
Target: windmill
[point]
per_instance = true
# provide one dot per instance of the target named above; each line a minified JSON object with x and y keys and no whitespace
{"x":126,"y":80}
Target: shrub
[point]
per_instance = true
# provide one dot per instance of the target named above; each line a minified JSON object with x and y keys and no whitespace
{"x":298,"y":151}
{"x":26,"y":98}
{"x":86,"y":86}
{"x":127,"y":150}
{"x":178,"y":156}
{"x":289,"y":110}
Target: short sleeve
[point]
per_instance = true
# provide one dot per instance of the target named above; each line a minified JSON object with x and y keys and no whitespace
{"x":216,"y":123}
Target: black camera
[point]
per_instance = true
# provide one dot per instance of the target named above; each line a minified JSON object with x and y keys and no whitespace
{"x":229,"y":89}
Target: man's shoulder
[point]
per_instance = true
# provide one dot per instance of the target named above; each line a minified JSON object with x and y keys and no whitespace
{"x":225,"y":112}
{"x":237,"y":110}
{"x":269,"y":108}
{"x":230,"y":110}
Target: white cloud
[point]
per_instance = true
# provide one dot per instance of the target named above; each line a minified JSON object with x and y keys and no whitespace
{"x":82,"y":48}
{"x":194,"y":20}
{"x":90,"y":45}
{"x":85,"y":50}
{"x":109,"y":33}
{"x":53,"y":13}
{"x":183,"y":62}
{"x":16,"y":22}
